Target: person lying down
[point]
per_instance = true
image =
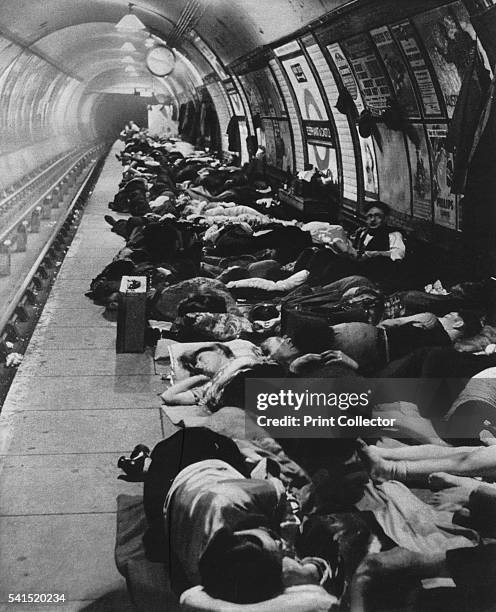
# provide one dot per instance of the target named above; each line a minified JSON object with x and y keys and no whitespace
{"x":217,"y":376}
{"x":223,"y":529}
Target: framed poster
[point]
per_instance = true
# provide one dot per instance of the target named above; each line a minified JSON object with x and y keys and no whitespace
{"x":367,"y":150}
{"x":442,"y":171}
{"x":397,"y":70}
{"x":405,"y":36}
{"x":252,"y":92}
{"x":283,"y":145}
{"x":449,"y":47}
{"x":372,"y":80}
{"x":394,"y":175}
{"x":263,"y":94}
{"x":272,"y":90}
{"x":235,"y":98}
{"x":270,"y":141}
{"x":421,"y":174}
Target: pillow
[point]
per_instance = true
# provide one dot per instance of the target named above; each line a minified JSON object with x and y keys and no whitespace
{"x":303,"y":598}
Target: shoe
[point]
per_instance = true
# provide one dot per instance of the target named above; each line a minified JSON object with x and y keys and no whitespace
{"x":134,"y":465}
{"x":138,"y":449}
{"x":133,"y":468}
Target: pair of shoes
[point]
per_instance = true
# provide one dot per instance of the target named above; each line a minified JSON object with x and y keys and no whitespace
{"x":133,"y":466}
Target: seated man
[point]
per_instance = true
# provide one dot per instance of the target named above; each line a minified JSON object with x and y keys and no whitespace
{"x":216,"y":526}
{"x":373,"y":251}
{"x":377,"y":240}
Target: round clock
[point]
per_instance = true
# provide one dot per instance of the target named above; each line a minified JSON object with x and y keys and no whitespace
{"x":160,"y":60}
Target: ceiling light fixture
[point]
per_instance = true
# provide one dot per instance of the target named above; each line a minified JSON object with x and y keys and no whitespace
{"x":127,"y":46}
{"x":130,"y":23}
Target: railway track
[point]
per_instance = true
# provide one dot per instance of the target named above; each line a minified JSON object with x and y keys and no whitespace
{"x":54,"y":209}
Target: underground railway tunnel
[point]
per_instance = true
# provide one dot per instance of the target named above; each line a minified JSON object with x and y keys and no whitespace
{"x":323,"y":169}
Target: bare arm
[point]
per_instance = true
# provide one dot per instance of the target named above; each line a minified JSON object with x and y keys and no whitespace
{"x":182,"y":393}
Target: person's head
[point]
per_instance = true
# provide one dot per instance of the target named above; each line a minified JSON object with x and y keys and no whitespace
{"x":462,"y":324}
{"x":311,"y":334}
{"x":376,"y":214}
{"x":280,"y":349}
{"x":250,"y":564}
{"x":207,"y":360}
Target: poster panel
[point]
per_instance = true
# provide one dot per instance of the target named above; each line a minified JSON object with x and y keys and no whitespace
{"x":278,"y":108}
{"x":346,"y":73}
{"x":369,"y":163}
{"x":372,"y":80}
{"x":421,"y":174}
{"x":283,"y":145}
{"x":397,"y":70}
{"x":442,"y":172}
{"x":449,"y":48}
{"x":237,"y":105}
{"x":394,"y":175}
{"x":270,"y":142}
{"x":252,"y":92}
{"x":243,"y":135}
{"x":263,"y":94}
{"x":404,"y":34}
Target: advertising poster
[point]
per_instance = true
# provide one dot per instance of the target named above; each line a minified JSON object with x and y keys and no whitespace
{"x":262,"y":94}
{"x":397,"y":70}
{"x":421,"y":175}
{"x":346,"y":73}
{"x":405,"y":36}
{"x":283,"y":146}
{"x":243,"y":135}
{"x":369,"y":163}
{"x":368,"y":70}
{"x":394,"y":176}
{"x":442,"y":171}
{"x":235,"y":98}
{"x":272,"y":90}
{"x":449,"y":48}
{"x":252,"y":93}
{"x":236,"y":103}
{"x":270,"y":142}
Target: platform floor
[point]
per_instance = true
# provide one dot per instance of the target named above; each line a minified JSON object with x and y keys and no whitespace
{"x":73,"y":409}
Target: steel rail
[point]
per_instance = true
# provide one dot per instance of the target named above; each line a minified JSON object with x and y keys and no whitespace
{"x":8,"y":314}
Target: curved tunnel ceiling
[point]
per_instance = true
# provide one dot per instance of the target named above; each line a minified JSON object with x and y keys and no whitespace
{"x":61,"y":61}
{"x":252,"y":23}
{"x":79,"y":38}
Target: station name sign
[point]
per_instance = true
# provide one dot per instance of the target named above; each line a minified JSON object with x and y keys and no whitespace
{"x":319,"y":131}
